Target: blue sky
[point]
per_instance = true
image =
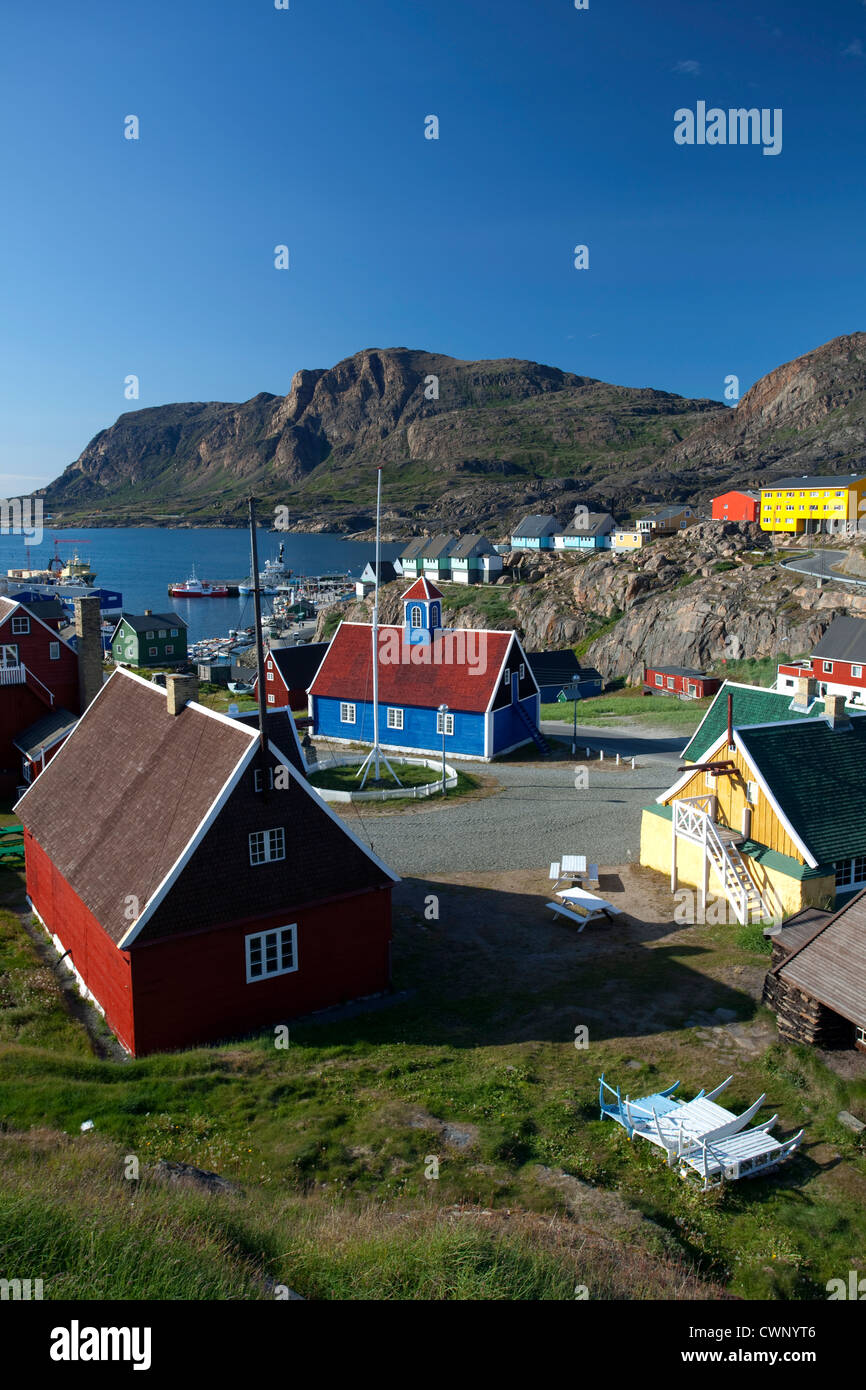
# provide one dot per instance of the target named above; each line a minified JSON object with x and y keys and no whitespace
{"x":305,"y":127}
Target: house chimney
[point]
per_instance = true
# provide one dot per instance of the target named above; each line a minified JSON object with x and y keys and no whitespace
{"x":179,"y":689}
{"x":807,"y":689}
{"x":834,"y":709}
{"x":88,"y":630}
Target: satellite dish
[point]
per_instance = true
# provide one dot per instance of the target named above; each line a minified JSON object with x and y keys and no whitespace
{"x":234,"y":711}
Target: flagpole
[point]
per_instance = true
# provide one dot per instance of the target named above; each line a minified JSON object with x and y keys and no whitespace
{"x":376,"y":757}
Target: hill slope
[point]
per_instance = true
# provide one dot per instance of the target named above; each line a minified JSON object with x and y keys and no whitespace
{"x":468,"y":444}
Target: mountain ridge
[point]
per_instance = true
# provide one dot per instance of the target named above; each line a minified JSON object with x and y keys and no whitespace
{"x":468,"y":444}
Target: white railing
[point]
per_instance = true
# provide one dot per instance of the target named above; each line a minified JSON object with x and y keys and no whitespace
{"x":431,"y":788}
{"x":694,"y":819}
{"x":12,"y":675}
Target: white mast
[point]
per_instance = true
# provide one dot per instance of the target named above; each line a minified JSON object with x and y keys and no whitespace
{"x":375,"y":757}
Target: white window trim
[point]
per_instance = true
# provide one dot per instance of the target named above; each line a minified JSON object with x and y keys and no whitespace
{"x":660,"y":680}
{"x":257,"y":939}
{"x":521,"y":671}
{"x":270,"y":675}
{"x":54,"y":651}
{"x":394,"y":718}
{"x":856,"y":672}
{"x":20,"y":625}
{"x":152,"y":651}
{"x":449,"y":723}
{"x":350,"y":712}
{"x":274,"y":846}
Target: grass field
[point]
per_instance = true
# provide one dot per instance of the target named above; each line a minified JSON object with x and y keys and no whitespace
{"x":345,"y":779}
{"x":629,"y":703}
{"x":474,"y":1065}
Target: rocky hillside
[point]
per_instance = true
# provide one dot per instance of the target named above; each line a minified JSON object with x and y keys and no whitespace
{"x":467,"y":445}
{"x":499,"y":438}
{"x":702,"y":599}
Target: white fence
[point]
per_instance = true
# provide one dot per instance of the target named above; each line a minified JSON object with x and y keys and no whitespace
{"x":380,"y":794}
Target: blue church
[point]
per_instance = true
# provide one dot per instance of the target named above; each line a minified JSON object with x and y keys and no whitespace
{"x":470,"y":687}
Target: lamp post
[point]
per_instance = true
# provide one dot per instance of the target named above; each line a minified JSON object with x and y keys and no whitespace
{"x":443,"y":713}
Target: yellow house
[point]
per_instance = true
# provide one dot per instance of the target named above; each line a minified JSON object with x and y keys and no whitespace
{"x":828,"y":503}
{"x":628,"y":539}
{"x":770,"y":814}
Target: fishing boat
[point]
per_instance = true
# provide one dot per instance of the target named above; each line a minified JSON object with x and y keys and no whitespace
{"x":196,"y":588}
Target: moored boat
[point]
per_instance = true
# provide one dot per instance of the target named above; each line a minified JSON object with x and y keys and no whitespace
{"x":197,"y":588}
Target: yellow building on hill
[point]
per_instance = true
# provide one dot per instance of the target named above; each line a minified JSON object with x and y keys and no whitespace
{"x":833,"y":502}
{"x":749,"y":818}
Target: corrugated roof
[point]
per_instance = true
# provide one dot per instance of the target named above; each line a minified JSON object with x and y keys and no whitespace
{"x":831,"y":965}
{"x":752,"y":705}
{"x":844,"y":640}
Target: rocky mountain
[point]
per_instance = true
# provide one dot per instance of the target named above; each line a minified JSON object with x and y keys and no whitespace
{"x":705,"y":598}
{"x":467,"y":444}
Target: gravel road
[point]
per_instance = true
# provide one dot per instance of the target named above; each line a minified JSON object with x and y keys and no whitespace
{"x":537,"y":813}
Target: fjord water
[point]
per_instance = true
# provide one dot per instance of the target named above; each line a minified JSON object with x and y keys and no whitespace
{"x":142,"y":561}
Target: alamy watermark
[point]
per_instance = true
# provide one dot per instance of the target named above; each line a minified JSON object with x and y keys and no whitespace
{"x":736,"y":126}
{"x":22,"y":516}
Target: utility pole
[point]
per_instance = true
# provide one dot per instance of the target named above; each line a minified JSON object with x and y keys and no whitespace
{"x":375,"y":757}
{"x":260,"y":649}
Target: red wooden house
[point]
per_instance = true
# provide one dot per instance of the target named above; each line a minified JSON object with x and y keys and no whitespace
{"x":39,"y":678}
{"x":678,"y":680}
{"x":837,"y":665}
{"x":289,"y":673}
{"x":201,"y":888}
{"x":737,"y":506}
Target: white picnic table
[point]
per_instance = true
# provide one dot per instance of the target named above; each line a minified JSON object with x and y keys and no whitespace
{"x":579,"y":905}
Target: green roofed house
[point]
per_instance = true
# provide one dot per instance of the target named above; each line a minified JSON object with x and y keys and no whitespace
{"x":771,"y":814}
{"x":149,"y":639}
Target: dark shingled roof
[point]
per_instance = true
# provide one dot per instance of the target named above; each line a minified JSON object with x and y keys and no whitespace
{"x":830,"y":965}
{"x":281,"y":731}
{"x":151,"y":787}
{"x":117,"y":806}
{"x":554,"y":668}
{"x":535,"y":525}
{"x":298,"y":665}
{"x":45,"y":732}
{"x":474,"y":544}
{"x":589,"y":525}
{"x":837,"y":480}
{"x":817,"y":775}
{"x":147,"y":622}
{"x":844,"y":640}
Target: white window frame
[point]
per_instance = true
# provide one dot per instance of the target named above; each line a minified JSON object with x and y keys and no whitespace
{"x":347,"y":712}
{"x":449,"y":723}
{"x":267,"y":846}
{"x":257,"y":947}
{"x":148,"y":637}
{"x":169,"y":649}
{"x":671,"y":682}
{"x":152,"y":651}
{"x":860,"y":1036}
{"x":162,"y":632}
{"x":856,"y":672}
{"x":20,"y":625}
{"x":53,"y":651}
{"x":270,"y":675}
{"x":827,"y":667}
{"x":272,"y":699}
{"x":753,"y":791}
{"x":710,"y":780}
{"x":413,"y":621}
{"x":521,"y":671}
{"x":394,"y":718}
{"x":847,"y":871}
{"x":660,"y":681}
{"x":507,"y":676}
{"x":257,"y":778}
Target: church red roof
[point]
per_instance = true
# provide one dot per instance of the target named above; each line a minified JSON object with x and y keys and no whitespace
{"x":459,"y":668}
{"x":422,"y":588}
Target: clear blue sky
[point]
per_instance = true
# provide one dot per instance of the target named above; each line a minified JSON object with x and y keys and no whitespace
{"x":306,"y":127}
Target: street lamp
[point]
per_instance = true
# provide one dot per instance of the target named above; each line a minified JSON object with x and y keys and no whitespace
{"x":443,"y":714}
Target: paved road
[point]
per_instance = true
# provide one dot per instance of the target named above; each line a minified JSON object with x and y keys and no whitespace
{"x":820,"y":566}
{"x":539,"y":813}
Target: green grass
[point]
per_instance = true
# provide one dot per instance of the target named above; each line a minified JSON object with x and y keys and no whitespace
{"x":331,"y":1137}
{"x":648,"y":709}
{"x":346,"y":779}
{"x":600,"y":627}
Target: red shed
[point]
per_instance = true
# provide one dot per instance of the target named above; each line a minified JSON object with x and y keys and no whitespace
{"x":200,"y":887}
{"x":678,"y":680}
{"x":737,"y":506}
